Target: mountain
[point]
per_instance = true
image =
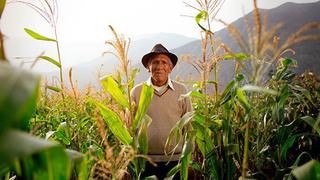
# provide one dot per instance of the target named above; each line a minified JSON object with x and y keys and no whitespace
{"x":88,"y":72}
{"x":292,"y":15}
{"x":144,"y":44}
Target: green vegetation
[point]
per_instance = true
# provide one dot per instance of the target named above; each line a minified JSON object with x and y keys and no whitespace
{"x":265,"y":124}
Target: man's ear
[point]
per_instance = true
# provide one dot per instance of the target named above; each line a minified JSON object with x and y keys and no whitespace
{"x":171,"y":67}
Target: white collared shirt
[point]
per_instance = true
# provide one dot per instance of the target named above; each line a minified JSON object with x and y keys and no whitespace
{"x":161,"y":89}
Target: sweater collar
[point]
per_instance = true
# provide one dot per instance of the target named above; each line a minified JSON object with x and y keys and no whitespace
{"x":169,"y":83}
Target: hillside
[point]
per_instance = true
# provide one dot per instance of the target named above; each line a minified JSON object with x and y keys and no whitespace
{"x":87,"y":73}
{"x":292,"y":16}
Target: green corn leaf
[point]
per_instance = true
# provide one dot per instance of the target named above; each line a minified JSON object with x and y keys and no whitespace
{"x":144,"y":102}
{"x":258,"y":89}
{"x":74,"y":155}
{"x":115,"y":124}
{"x":16,"y":144}
{"x":46,"y":165}
{"x":142,"y":135}
{"x":2,"y":51}
{"x":18,"y":95}
{"x":310,"y":170}
{"x":175,"y":135}
{"x":38,"y":36}
{"x":49,"y":59}
{"x":315,"y":124}
{"x":186,"y":155}
{"x":192,"y":94}
{"x":185,"y":119}
{"x":53,"y":88}
{"x":143,"y":139}
{"x":133,"y":75}
{"x":212,"y":162}
{"x":202,"y":15}
{"x":2,"y":5}
{"x":62,"y":137}
{"x":242,"y":99}
{"x":203,"y":139}
{"x":173,"y":172}
{"x":288,"y":61}
{"x":238,"y":56}
{"x":111,"y":87}
{"x":287,"y":144}
{"x":232,"y":149}
{"x":226,"y":95}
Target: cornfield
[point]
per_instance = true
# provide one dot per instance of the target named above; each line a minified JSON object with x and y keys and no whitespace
{"x":260,"y":126}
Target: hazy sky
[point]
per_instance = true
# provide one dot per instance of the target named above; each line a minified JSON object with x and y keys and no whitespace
{"x":82,"y":21}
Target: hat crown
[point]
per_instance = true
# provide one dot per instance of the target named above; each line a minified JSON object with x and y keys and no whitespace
{"x":159,"y":48}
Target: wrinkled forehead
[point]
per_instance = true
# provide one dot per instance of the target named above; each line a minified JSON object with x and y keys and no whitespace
{"x":160,"y":57}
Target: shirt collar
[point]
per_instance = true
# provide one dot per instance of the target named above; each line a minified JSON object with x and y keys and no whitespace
{"x":169,"y":83}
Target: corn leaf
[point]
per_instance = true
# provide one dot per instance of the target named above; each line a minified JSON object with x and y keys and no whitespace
{"x":226,"y":95}
{"x":115,"y":124}
{"x":2,"y":5}
{"x":170,"y":175}
{"x":239,"y":56}
{"x":310,"y":170}
{"x":111,"y":87}
{"x":175,"y":135}
{"x":192,"y":94}
{"x":143,"y":139}
{"x":38,"y":36}
{"x":315,"y":124}
{"x":18,"y":95}
{"x":186,"y":155}
{"x":144,"y":102}
{"x":203,"y":139}
{"x":258,"y":89}
{"x":287,"y":62}
{"x":212,"y":163}
{"x":16,"y":144}
{"x":49,"y":59}
{"x":2,"y":52}
{"x":62,"y":137}
{"x":74,"y":155}
{"x":242,"y":99}
{"x":288,"y":144}
{"x":142,"y":135}
{"x":56,"y":89}
{"x":202,"y":15}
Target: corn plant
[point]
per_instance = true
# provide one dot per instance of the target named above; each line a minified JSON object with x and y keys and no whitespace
{"x":2,"y":53}
{"x":23,"y":155}
{"x":127,"y":121}
{"x":48,"y":10}
{"x":227,"y":127}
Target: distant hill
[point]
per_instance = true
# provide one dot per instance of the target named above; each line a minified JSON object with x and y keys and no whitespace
{"x":87,"y":73}
{"x":292,"y":15}
{"x":144,"y":43}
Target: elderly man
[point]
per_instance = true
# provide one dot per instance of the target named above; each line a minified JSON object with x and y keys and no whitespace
{"x":165,"y":108}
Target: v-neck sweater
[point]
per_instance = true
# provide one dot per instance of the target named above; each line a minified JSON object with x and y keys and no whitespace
{"x":165,"y":110}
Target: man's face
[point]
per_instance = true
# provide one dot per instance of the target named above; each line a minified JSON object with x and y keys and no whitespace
{"x":160,"y":67}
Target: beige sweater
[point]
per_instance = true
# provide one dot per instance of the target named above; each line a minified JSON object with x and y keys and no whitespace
{"x":165,"y":110}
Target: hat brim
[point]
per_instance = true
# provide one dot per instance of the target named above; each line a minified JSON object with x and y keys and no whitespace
{"x":146,"y":58}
